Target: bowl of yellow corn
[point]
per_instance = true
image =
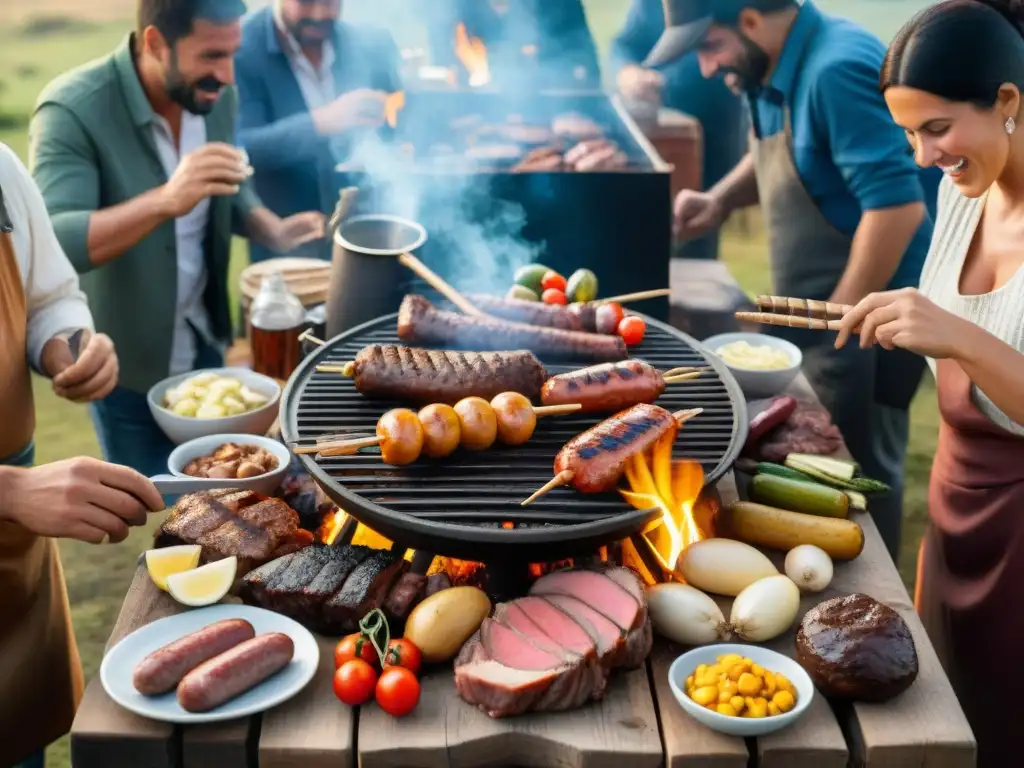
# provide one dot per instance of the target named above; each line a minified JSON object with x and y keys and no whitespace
{"x":741,"y":690}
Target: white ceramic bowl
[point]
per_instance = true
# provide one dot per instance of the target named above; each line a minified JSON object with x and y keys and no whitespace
{"x":181,"y":429}
{"x":755,"y":383}
{"x":266,"y":483}
{"x":684,"y":666}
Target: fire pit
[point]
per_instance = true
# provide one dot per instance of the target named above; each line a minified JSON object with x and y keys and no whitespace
{"x":468,"y":506}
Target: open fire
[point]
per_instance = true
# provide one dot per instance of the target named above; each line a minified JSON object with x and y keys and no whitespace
{"x":472,"y":53}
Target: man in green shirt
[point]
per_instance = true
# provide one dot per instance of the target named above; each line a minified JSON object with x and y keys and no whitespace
{"x":133,"y":155}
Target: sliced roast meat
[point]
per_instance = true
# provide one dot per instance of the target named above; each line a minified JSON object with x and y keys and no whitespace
{"x":629,"y":581}
{"x":637,"y":646}
{"x":502,"y":691}
{"x":596,"y":590}
{"x":606,"y":635}
{"x":509,"y":647}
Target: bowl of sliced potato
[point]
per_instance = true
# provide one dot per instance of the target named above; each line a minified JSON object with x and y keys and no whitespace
{"x":214,"y":401}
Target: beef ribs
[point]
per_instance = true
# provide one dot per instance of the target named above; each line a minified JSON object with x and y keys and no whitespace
{"x":365,"y":589}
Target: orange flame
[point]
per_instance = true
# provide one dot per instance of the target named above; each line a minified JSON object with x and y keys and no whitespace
{"x":394,"y":104}
{"x":472,"y":52}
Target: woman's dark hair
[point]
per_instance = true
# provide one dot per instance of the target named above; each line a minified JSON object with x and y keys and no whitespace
{"x":959,"y":50}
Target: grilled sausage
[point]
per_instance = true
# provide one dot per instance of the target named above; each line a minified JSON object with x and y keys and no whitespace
{"x":164,"y":668}
{"x":420,"y":321}
{"x":605,"y":388}
{"x":234,"y":672}
{"x":529,"y":312}
{"x":439,"y":376}
{"x":597,"y":458}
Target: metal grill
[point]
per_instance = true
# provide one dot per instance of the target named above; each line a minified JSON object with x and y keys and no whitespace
{"x":467,"y":505}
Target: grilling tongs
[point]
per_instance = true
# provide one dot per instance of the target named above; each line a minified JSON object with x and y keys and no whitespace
{"x":796,"y":313}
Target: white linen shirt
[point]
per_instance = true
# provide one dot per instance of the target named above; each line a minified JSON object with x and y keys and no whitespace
{"x":54,"y":301}
{"x":316,"y":83}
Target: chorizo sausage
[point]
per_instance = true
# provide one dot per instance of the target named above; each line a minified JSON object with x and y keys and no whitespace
{"x":606,"y":388}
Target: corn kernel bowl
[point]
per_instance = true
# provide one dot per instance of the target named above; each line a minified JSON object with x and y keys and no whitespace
{"x":735,"y":725}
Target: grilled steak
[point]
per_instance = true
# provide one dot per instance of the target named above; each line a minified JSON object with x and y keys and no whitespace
{"x":419,"y":321}
{"x":405,"y":594}
{"x":436,"y":582}
{"x":365,"y":589}
{"x":529,"y":312}
{"x":439,"y":376}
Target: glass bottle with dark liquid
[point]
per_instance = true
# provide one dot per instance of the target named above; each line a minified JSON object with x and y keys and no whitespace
{"x":276,"y":320}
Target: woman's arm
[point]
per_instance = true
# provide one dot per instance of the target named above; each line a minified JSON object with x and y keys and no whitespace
{"x":996,"y":368}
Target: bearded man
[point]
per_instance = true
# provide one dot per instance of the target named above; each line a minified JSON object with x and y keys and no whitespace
{"x":133,"y":155}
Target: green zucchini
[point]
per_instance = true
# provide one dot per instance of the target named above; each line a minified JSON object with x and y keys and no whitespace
{"x":817,"y":471}
{"x":799,"y":496}
{"x":767,"y":468}
{"x":857,"y":500}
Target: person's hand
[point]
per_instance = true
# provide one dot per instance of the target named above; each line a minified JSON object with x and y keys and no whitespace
{"x":84,"y":499}
{"x":93,"y":377}
{"x":903,"y":318}
{"x":595,"y":155}
{"x":695,"y":213}
{"x":212,"y":170}
{"x":639,"y":84}
{"x":361,"y":108}
{"x":295,"y":231}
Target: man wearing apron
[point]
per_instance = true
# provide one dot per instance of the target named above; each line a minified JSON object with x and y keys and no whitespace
{"x":40,"y":309}
{"x":844,"y":203}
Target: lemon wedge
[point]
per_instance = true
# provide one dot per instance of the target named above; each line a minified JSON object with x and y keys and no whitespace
{"x":205,"y":585}
{"x":162,"y":563}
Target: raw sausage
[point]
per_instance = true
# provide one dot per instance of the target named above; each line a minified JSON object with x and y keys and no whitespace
{"x":164,"y":668}
{"x":606,"y":388}
{"x":529,"y":312}
{"x":234,"y":672}
{"x":597,"y":458}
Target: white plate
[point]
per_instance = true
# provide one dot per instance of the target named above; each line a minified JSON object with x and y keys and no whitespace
{"x":120,"y":662}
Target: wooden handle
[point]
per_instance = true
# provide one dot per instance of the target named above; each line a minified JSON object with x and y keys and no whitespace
{"x":562,"y":478}
{"x":625,"y":298}
{"x":345,"y":369}
{"x":439,"y":285}
{"x":346,"y":197}
{"x":789,"y":321}
{"x":812,"y":308}
{"x":556,"y":410}
{"x":347,"y":447}
{"x":682,"y":377}
{"x":683,"y":369}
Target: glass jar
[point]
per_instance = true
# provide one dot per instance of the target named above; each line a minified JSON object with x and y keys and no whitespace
{"x":276,"y":320}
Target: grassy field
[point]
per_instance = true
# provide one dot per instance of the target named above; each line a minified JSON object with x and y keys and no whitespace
{"x":45,"y":41}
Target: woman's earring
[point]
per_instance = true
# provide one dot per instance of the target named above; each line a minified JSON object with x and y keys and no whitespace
{"x":1011,"y":125}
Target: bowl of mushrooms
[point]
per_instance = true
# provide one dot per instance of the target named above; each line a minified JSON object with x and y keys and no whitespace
{"x":250,"y":462}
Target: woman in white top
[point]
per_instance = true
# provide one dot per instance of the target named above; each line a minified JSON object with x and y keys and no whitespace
{"x":953,"y":79}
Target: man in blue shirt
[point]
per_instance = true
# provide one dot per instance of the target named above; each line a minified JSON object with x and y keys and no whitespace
{"x":679,"y":85}
{"x":843,"y":200}
{"x":307,"y":84}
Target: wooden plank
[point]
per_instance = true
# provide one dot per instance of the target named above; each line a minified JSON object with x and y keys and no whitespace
{"x":313,"y":729}
{"x":220,"y":745}
{"x":418,"y":740}
{"x":105,"y":734}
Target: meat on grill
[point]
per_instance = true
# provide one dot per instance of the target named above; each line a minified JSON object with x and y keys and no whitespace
{"x":597,"y":458}
{"x":244,"y":524}
{"x":553,"y":649}
{"x":523,"y":311}
{"x":442,"y":376}
{"x":326,"y":588}
{"x":420,"y":322}
{"x":606,"y":387}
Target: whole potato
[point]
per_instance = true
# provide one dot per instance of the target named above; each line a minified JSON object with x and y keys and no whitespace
{"x":444,"y":621}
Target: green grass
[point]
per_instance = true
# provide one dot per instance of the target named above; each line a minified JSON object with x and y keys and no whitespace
{"x":98,"y":577}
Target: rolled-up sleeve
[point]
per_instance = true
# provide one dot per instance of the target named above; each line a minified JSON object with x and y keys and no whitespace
{"x":869,"y":149}
{"x":65,"y":170}
{"x":54,"y":300}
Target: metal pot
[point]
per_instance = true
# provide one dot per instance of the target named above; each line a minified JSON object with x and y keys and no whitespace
{"x":366,"y":279}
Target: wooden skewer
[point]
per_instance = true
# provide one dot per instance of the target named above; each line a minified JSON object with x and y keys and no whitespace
{"x":681,"y":377}
{"x":307,"y":335}
{"x":439,"y":285}
{"x":684,"y":369}
{"x":789,"y":321}
{"x":626,"y":298}
{"x":784,"y":305}
{"x":345,"y":369}
{"x":566,"y":476}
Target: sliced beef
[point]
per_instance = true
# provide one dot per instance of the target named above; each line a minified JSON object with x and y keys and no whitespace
{"x":808,"y":430}
{"x":596,"y":590}
{"x":502,"y":691}
{"x":629,"y":581}
{"x":637,"y":646}
{"x":341,"y":561}
{"x":436,"y":582}
{"x":607,"y":636}
{"x":507,"y":646}
{"x":256,"y":582}
{"x":403,"y":597}
{"x":274,"y":516}
{"x":365,"y":589}
{"x":285,"y":594}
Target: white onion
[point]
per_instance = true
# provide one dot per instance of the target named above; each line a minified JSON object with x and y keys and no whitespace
{"x":765,"y":609}
{"x":723,"y":566}
{"x":685,"y":615}
{"x":809,"y":567}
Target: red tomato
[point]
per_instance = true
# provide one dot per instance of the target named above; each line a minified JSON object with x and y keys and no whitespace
{"x":554,"y":280}
{"x":402,"y":653}
{"x":357,"y":646}
{"x":632,"y":330}
{"x":398,"y":691}
{"x":554,"y":296}
{"x":354,"y":682}
{"x":608,"y":317}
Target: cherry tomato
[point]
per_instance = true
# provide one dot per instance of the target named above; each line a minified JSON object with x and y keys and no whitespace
{"x":357,"y":646}
{"x":608,"y":317}
{"x":554,"y":280}
{"x":554,"y":296}
{"x":402,"y":653}
{"x":398,"y":691}
{"x":632,"y":330}
{"x":354,"y":682}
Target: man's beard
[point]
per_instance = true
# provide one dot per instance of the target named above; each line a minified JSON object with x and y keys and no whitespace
{"x":752,"y":67}
{"x":185,"y":94}
{"x":308,"y":32}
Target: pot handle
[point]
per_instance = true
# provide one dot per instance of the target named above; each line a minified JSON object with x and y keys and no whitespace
{"x":346,"y":197}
